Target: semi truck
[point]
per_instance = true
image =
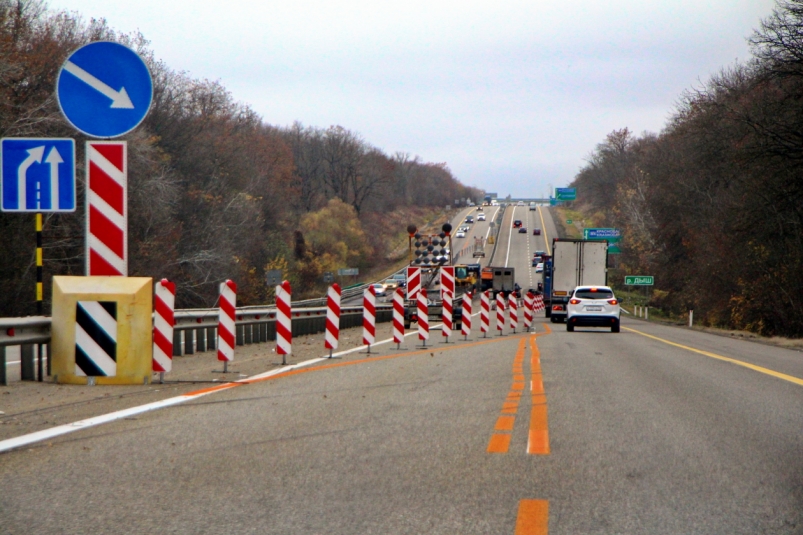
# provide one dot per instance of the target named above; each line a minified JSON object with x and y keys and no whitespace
{"x":573,"y":263}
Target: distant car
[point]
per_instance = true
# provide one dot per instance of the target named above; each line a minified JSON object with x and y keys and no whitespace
{"x":540,"y":253}
{"x":539,"y":267}
{"x":481,"y":217}
{"x":522,"y":230}
{"x":380,"y":290}
{"x":520,"y":203}
{"x":479,"y":208}
{"x":464,"y":228}
{"x":517,"y":223}
{"x":537,"y":260}
{"x":390,"y":284}
{"x":460,"y":234}
{"x":536,"y":232}
{"x":470,"y":219}
{"x":593,"y":306}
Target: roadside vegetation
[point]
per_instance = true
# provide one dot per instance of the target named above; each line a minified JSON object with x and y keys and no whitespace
{"x":215,"y":191}
{"x":712,"y":206}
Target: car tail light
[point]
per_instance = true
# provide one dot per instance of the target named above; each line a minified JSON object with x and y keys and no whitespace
{"x":613,"y":301}
{"x":557,"y":307}
{"x":575,"y":301}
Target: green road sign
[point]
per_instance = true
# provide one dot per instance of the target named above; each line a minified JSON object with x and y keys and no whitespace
{"x":639,"y":280}
{"x":569,"y":221}
{"x":566,"y":194}
{"x":614,"y":249}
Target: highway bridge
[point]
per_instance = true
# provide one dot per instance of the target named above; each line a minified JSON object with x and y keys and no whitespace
{"x":659,"y":429}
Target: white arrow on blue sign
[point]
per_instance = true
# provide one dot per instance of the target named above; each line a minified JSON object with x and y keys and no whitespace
{"x":104,"y":89}
{"x":37,"y":175}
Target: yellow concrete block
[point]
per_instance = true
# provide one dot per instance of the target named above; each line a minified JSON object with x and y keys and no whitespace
{"x":102,"y":330}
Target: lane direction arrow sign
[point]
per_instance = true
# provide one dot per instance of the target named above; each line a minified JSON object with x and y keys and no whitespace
{"x":31,"y":182}
{"x":104,"y":89}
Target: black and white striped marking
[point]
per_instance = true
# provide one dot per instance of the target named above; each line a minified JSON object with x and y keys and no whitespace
{"x":96,"y":338}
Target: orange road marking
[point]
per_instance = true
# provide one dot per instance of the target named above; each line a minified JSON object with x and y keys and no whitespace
{"x":518,"y":386}
{"x":538,"y":443}
{"x":499,"y":443}
{"x":537,"y":386}
{"x":505,"y":423}
{"x":539,"y":399}
{"x":510,"y":407}
{"x":533,"y":517}
{"x":518,"y":377}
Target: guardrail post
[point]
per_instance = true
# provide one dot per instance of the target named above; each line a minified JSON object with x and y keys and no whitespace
{"x":200,"y":342}
{"x":271,"y":331}
{"x":240,"y":332}
{"x":189,"y":342}
{"x":27,"y":369}
{"x":176,"y":343}
{"x":249,"y":334}
{"x":3,"y":376}
{"x":211,"y":340}
{"x":263,"y":332}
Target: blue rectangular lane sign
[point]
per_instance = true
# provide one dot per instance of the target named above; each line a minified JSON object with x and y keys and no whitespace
{"x":37,"y":175}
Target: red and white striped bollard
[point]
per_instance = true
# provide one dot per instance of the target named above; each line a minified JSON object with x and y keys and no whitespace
{"x":485,"y":312}
{"x":446,"y":326}
{"x":466,"y":316}
{"x":513,"y":305}
{"x":226,"y":330}
{"x":369,"y":316}
{"x":528,"y":310}
{"x":164,"y":304}
{"x":332,"y":318}
{"x":398,"y":317}
{"x":284,"y":322}
{"x":500,"y":312}
{"x":422,"y":315}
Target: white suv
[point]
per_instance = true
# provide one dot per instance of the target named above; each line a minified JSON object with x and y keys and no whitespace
{"x":593,"y":306}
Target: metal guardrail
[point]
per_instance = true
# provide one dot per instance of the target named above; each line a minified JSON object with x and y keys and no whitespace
{"x":195,"y":331}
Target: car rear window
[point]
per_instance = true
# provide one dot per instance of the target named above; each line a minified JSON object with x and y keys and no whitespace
{"x":593,"y":294}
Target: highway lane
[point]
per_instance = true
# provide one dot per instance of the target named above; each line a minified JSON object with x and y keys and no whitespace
{"x":646,"y":432}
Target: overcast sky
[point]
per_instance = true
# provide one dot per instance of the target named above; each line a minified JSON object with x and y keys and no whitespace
{"x":512,"y":95}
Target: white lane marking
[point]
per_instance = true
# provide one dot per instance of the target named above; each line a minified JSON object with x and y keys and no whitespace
{"x":509,"y":237}
{"x":31,"y":438}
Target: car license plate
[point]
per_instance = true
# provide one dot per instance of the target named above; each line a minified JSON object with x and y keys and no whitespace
{"x":594,"y":309}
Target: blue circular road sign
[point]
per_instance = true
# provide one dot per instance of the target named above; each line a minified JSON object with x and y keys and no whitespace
{"x":104,"y":89}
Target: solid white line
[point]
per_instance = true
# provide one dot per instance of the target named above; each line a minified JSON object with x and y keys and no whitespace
{"x":25,"y":440}
{"x":509,"y":237}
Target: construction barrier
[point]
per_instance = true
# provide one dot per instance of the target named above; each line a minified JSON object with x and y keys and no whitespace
{"x":485,"y":312}
{"x":284,"y":325}
{"x":369,"y":317}
{"x":226,"y":316}
{"x":447,"y":280}
{"x":164,"y":303}
{"x":539,"y":303}
{"x":466,"y":327}
{"x":413,"y":283}
{"x":423,"y":316}
{"x":500,"y":312}
{"x":332,"y":318}
{"x":528,"y":310}
{"x":446,"y":328}
{"x":398,"y":316}
{"x":513,"y":305}
{"x":101,"y":330}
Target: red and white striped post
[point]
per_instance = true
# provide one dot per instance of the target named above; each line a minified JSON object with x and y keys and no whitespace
{"x":369,"y":316}
{"x":485,"y":312}
{"x":528,"y":310}
{"x":226,"y":331}
{"x":513,"y":305}
{"x":422,"y":315}
{"x":466,"y":328}
{"x":106,"y":208}
{"x":446,"y":326}
{"x":398,"y":317}
{"x":332,"y":318}
{"x":539,"y":303}
{"x":164,"y":304}
{"x":284,"y":325}
{"x":413,"y":282}
{"x":447,"y":280}
{"x":500,"y":312}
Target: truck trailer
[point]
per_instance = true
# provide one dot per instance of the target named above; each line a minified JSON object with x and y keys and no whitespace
{"x":573,"y":263}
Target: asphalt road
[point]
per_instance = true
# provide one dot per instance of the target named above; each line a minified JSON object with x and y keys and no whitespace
{"x":657,"y":430}
{"x":642,"y":437}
